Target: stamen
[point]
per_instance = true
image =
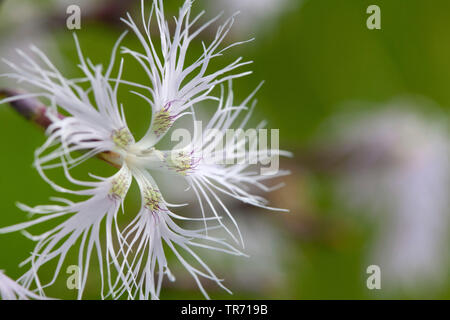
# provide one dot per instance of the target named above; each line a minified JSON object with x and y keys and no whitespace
{"x":152,"y":199}
{"x":180,"y":161}
{"x":122,"y":137}
{"x":120,"y":185}
{"x":163,"y":121}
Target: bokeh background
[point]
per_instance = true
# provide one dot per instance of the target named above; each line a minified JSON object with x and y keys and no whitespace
{"x":366,"y":113}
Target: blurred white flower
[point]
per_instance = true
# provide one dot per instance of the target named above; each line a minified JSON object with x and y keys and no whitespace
{"x":23,"y":22}
{"x":404,"y":176}
{"x":260,"y":14}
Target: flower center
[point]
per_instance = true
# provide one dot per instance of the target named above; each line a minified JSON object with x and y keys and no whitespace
{"x":180,"y":161}
{"x":152,"y":199}
{"x":122,"y":138}
{"x":120,"y":185}
{"x":162,"y":122}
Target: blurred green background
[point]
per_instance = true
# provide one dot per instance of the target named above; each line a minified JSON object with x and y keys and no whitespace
{"x":319,"y":62}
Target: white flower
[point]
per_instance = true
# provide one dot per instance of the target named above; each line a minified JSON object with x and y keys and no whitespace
{"x":153,"y":227}
{"x":174,"y":86}
{"x":84,"y":220}
{"x":212,"y":166}
{"x":11,"y":290}
{"x":96,"y":126}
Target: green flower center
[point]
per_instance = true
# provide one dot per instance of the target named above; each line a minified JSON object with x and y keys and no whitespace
{"x":152,"y":199}
{"x":180,"y":161}
{"x":162,"y":122}
{"x":122,"y":138}
{"x":120,"y":185}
